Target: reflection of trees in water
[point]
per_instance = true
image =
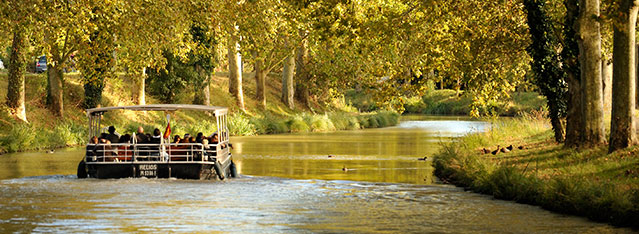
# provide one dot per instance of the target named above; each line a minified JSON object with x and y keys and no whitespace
{"x":17,"y":165}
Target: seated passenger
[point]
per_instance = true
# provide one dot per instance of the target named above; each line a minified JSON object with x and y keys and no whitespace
{"x":125,"y":139}
{"x":92,"y":146}
{"x":141,"y":137}
{"x":156,"y":138}
{"x":177,"y":139}
{"x":114,"y":138}
{"x":199,"y":137}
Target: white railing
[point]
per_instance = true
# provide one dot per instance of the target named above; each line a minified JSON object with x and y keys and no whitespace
{"x":173,"y":152}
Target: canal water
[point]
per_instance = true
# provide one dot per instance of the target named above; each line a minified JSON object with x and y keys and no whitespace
{"x":364,"y":181}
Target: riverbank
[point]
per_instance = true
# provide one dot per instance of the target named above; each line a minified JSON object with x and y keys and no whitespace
{"x":447,"y":102}
{"x":45,"y":131}
{"x":586,"y":182}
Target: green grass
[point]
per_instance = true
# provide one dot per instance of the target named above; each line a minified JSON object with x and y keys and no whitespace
{"x":588,"y":182}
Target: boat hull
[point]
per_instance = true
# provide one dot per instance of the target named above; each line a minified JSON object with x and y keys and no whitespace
{"x":180,"y":170}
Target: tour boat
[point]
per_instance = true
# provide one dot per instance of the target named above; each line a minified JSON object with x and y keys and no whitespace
{"x":158,"y":160}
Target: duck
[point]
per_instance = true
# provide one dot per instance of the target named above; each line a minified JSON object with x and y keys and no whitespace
{"x":495,"y":151}
{"x":330,"y":156}
{"x":521,"y":147}
{"x":50,"y":151}
{"x":344,"y":168}
{"x":422,"y":159}
{"x":484,"y":151}
{"x":510,"y":147}
{"x":504,"y":150}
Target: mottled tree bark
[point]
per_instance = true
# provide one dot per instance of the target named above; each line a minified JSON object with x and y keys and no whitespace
{"x":589,"y":39}
{"x":288,"y":87}
{"x":571,"y":66}
{"x":260,"y":80}
{"x":54,"y":98}
{"x":141,"y":85}
{"x":235,"y":71}
{"x":622,"y":127}
{"x":17,"y":66}
{"x":302,"y":75}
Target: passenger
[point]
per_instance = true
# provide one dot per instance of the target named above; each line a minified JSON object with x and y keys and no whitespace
{"x":214,"y":140}
{"x":125,"y":139}
{"x":199,"y":137}
{"x":114,"y":138}
{"x":186,"y":136}
{"x":192,"y":140}
{"x":176,"y":139}
{"x":141,"y":137}
{"x":156,"y":138}
{"x":92,"y":146}
{"x":104,"y":136}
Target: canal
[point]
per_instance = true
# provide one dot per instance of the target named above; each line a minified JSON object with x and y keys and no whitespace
{"x":364,"y":181}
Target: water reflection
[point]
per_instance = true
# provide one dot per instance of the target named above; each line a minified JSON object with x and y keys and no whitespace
{"x":64,"y":204}
{"x":381,"y":155}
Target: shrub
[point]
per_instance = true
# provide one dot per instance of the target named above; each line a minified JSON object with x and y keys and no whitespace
{"x":20,"y":137}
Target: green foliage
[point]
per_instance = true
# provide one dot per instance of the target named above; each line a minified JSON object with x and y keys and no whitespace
{"x":20,"y":137}
{"x":240,"y":125}
{"x":168,"y":83}
{"x":546,"y":64}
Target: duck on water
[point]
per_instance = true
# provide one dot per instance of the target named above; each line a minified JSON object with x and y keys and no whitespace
{"x":157,"y":157}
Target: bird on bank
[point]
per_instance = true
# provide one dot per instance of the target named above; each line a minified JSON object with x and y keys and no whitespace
{"x":495,"y":151}
{"x":484,"y":151}
{"x":504,"y":150}
{"x":521,"y":147}
{"x":344,"y":168}
{"x":422,"y":159}
{"x":510,"y":147}
{"x":50,"y":151}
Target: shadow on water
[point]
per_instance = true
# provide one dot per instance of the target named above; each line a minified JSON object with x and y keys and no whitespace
{"x":289,"y":185}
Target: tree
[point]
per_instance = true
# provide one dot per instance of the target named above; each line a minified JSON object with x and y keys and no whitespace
{"x":17,"y":16}
{"x":572,"y":69}
{"x":96,"y":57}
{"x":64,"y":29}
{"x":288,"y":86}
{"x":235,"y":69}
{"x":549,"y":76}
{"x":589,"y":40}
{"x":148,"y":29}
{"x":622,"y":128}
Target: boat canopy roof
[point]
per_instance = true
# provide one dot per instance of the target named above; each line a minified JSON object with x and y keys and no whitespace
{"x":219,"y":110}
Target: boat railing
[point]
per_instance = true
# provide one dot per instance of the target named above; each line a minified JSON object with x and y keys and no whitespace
{"x":168,"y":152}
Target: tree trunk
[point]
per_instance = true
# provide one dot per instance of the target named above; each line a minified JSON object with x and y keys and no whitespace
{"x":17,"y":66}
{"x":260,"y":81}
{"x":570,"y":55}
{"x":302,"y":75}
{"x":288,"y":87}
{"x":202,"y":93}
{"x":206,"y":90}
{"x":235,"y":71}
{"x":622,"y":127}
{"x":54,"y":96}
{"x":589,"y":39}
{"x":141,"y":79}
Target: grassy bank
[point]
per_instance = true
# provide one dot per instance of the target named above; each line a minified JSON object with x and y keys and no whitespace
{"x":603,"y":187}
{"x":45,"y":131}
{"x":446,"y":102}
